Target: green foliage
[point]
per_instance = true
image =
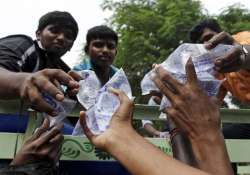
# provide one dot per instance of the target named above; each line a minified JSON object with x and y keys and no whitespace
{"x":235,"y":18}
{"x":149,"y":30}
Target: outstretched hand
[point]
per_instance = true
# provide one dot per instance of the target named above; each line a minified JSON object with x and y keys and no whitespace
{"x":44,"y":144}
{"x":191,"y":108}
{"x":32,"y":85}
{"x":231,"y":61}
{"x":119,"y":124}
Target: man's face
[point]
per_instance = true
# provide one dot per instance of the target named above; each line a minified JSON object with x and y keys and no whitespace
{"x":102,"y":52}
{"x":207,"y":35}
{"x":55,"y":39}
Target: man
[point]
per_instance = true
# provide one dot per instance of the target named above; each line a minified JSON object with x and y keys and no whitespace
{"x":234,"y":67}
{"x":101,"y":49}
{"x":29,"y":68}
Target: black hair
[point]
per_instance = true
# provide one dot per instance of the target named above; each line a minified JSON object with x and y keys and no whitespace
{"x":60,"y":18}
{"x":100,"y":32}
{"x":196,"y":32}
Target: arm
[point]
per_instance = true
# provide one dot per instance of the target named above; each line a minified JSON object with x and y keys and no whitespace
{"x":181,"y":146}
{"x":28,"y":86}
{"x":150,"y":129}
{"x":200,"y":123}
{"x":43,"y":145}
{"x":138,"y":155}
{"x":235,"y":65}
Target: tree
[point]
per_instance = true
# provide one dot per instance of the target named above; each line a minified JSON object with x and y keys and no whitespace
{"x":149,"y":30}
{"x":235,"y":18}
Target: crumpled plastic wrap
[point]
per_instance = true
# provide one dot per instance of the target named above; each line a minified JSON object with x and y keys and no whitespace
{"x":105,"y":104}
{"x":203,"y":61}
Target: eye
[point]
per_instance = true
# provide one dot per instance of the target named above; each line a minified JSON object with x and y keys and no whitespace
{"x":98,"y":44}
{"x":68,"y":34}
{"x":111,"y":45}
{"x":54,"y":30}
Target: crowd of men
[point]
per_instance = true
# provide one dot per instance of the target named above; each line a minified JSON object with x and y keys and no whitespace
{"x":29,"y":68}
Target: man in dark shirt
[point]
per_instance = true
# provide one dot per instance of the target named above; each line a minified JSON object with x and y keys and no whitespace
{"x":29,"y":67}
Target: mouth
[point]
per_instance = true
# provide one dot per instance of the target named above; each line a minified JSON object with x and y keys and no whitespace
{"x":104,"y":58}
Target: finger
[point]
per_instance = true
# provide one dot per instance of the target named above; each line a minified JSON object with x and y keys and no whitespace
{"x":190,"y":71}
{"x":46,"y":85}
{"x":57,"y":84}
{"x":156,"y":93}
{"x":57,"y":140}
{"x":157,"y":100}
{"x":38,"y":103}
{"x":75,"y":75}
{"x":73,"y":92}
{"x":231,"y":60}
{"x":125,"y":109}
{"x":59,"y":75}
{"x":46,"y":137}
{"x":38,"y":133}
{"x":174,"y":84}
{"x":164,"y":88}
{"x":221,"y":37}
{"x":84,"y":126}
{"x":45,"y":124}
{"x":155,"y":65}
{"x":177,"y":118}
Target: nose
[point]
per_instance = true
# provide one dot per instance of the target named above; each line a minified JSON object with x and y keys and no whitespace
{"x":61,"y":36}
{"x":105,"y":48}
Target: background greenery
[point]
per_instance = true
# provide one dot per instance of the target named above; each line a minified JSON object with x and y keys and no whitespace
{"x":151,"y":29}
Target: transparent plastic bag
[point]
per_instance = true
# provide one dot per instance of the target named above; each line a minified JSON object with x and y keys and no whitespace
{"x":106,"y":103}
{"x":62,"y":108}
{"x":89,"y":87}
{"x":175,"y":64}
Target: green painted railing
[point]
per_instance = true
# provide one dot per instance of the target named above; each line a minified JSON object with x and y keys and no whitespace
{"x":79,"y":148}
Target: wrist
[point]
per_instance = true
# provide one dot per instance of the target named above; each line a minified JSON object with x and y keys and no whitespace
{"x":116,"y":140}
{"x":245,"y":57}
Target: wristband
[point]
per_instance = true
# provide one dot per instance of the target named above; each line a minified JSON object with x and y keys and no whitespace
{"x":173,"y":133}
{"x":243,"y":57}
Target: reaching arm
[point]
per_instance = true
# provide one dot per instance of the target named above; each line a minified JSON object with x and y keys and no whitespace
{"x":181,"y":146}
{"x":138,"y":155}
{"x":200,"y":123}
{"x":29,"y":86}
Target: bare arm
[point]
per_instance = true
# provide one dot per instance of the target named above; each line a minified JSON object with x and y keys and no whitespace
{"x":200,"y":123}
{"x":151,"y":130}
{"x":181,"y":146}
{"x":29,"y":86}
{"x":138,"y":155}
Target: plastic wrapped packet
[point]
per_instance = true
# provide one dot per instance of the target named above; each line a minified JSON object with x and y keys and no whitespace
{"x":175,"y":64}
{"x":106,"y":103}
{"x":164,"y":135}
{"x":62,"y":108}
{"x":89,"y":87}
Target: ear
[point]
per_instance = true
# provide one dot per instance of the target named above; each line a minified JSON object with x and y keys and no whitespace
{"x":115,"y":51}
{"x":86,"y":48}
{"x":38,"y":34}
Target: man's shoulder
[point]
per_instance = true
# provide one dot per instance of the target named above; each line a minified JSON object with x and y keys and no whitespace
{"x":83,"y":65}
{"x":17,"y":38}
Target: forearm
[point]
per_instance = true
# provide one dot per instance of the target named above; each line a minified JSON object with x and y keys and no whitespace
{"x":246,"y":63}
{"x":142,"y":158}
{"x":181,"y":146}
{"x":10,"y":83}
{"x":151,"y":130}
{"x":215,"y":144}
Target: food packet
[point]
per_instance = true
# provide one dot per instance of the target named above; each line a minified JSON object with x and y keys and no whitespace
{"x":106,"y":103}
{"x":89,"y":87}
{"x":62,"y":108}
{"x":203,"y":61}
